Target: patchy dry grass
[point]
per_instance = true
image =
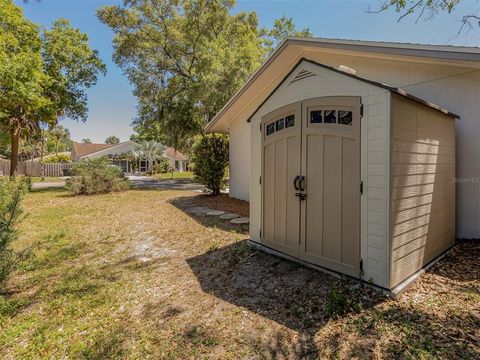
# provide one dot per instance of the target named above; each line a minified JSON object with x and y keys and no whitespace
{"x":132,"y":275}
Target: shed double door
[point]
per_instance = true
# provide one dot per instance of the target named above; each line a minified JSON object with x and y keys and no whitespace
{"x":311,"y":182}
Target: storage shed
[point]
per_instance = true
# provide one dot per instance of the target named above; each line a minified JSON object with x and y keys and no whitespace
{"x":355,"y":176}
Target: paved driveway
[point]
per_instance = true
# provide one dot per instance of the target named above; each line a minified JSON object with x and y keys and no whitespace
{"x":138,"y":182}
{"x":144,"y":182}
{"x":48,"y":185}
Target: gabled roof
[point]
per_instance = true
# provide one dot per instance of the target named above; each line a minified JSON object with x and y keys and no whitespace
{"x":292,"y":49}
{"x":82,"y":149}
{"x":110,"y":147}
{"x":393,"y":89}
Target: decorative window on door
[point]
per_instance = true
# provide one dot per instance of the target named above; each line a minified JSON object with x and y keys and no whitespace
{"x":333,"y":116}
{"x":280,"y":124}
{"x":344,"y":117}
{"x":270,"y":129}
{"x":290,"y":121}
{"x":330,"y":116}
{"x":316,"y":117}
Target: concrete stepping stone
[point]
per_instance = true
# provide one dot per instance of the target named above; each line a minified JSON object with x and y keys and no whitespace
{"x":199,"y":210}
{"x":229,"y":216}
{"x":241,"y":220}
{"x":215,"y":213}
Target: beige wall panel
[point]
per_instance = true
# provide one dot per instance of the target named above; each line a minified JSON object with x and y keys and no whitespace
{"x":280,"y":191}
{"x":423,"y":196}
{"x":292,"y":205}
{"x":269,"y":194}
{"x":314,"y":212}
{"x":332,"y":192}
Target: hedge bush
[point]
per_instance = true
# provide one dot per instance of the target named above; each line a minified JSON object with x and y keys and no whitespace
{"x":210,"y":160}
{"x":96,"y":176}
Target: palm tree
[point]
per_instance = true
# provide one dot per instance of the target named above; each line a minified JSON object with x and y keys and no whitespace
{"x":112,"y":140}
{"x":150,"y":151}
{"x":59,"y":133}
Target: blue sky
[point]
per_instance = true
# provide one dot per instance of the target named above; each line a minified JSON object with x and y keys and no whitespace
{"x":112,"y":105}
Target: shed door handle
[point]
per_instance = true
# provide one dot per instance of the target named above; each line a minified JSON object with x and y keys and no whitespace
{"x":302,"y":183}
{"x":296,"y":183}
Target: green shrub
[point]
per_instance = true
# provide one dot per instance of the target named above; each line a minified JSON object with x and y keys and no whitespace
{"x":162,"y":167}
{"x":27,"y":182}
{"x":57,"y":158}
{"x":96,"y":176}
{"x":11,"y":193}
{"x":210,"y":160}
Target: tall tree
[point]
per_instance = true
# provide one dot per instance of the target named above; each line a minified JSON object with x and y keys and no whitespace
{"x":428,"y":9}
{"x":43,"y":77}
{"x":112,"y":140}
{"x":281,"y":29}
{"x":59,"y":133}
{"x":185,"y":58}
{"x":22,"y":78}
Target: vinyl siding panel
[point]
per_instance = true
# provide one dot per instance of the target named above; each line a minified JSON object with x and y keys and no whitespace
{"x":423,"y":188}
{"x":375,"y":165}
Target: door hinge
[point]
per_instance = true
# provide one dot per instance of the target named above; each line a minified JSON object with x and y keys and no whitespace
{"x":361,"y":187}
{"x":260,"y":127}
{"x":361,"y":110}
{"x":260,"y":181}
{"x":361,"y":264}
{"x":260,"y":233}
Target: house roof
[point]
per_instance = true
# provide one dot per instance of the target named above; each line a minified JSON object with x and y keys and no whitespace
{"x":111,"y":147}
{"x":170,"y":153}
{"x":393,"y":89}
{"x":291,"y":49}
{"x":82,"y":149}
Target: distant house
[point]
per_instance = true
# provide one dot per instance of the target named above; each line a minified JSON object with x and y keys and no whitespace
{"x":120,"y":155}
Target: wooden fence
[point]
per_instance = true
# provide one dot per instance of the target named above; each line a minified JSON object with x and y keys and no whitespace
{"x":56,"y":169}
{"x":35,"y":168}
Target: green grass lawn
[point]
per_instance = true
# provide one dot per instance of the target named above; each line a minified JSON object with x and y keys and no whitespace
{"x":133,"y":275}
{"x":37,"y":179}
{"x":176,"y":175}
{"x":47,"y":179}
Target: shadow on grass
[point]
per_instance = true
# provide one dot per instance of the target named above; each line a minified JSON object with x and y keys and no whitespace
{"x":303,"y":300}
{"x":464,"y":258}
{"x":58,"y":190}
{"x":289,"y":294}
{"x":411,"y":333}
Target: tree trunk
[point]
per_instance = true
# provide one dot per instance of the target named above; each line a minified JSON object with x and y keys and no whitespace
{"x":56,"y":146}
{"x":15,"y":139}
{"x":41,"y":146}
